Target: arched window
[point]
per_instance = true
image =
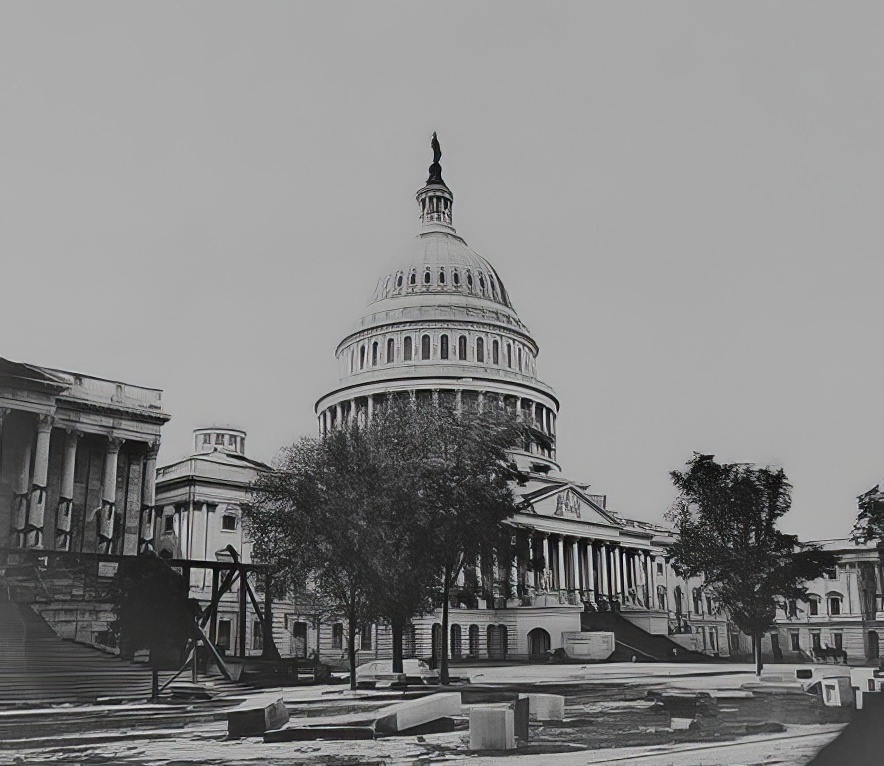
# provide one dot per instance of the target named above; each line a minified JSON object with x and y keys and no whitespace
{"x":443,"y":347}
{"x":469,"y":279}
{"x":495,"y":352}
{"x":455,"y":277}
{"x":509,"y":355}
{"x":425,"y":347}
{"x":492,"y":286}
{"x":480,"y":350}
{"x":352,"y":359}
{"x":474,"y":640}
{"x":362,"y":357}
{"x":374,"y":354}
{"x":406,"y":349}
{"x":834,"y":601}
{"x":441,"y":276}
{"x":412,"y":277}
{"x":519,"y":355}
{"x":481,"y":283}
{"x":391,"y":348}
{"x":399,"y":279}
{"x":813,"y":606}
{"x":427,"y":277}
{"x":456,"y":646}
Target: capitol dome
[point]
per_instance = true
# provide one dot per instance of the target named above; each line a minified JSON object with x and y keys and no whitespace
{"x":441,"y":325}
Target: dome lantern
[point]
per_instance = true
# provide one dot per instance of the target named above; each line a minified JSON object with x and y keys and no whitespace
{"x":435,"y":199}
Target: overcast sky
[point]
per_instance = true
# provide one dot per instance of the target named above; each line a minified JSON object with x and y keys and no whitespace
{"x":683,"y":199}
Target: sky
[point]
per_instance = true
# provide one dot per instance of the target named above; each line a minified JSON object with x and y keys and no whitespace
{"x":683,"y":199}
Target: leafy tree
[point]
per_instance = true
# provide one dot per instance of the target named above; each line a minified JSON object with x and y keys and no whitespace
{"x":313,"y":520}
{"x":153,"y":611}
{"x":726,"y":516}
{"x":869,"y":525}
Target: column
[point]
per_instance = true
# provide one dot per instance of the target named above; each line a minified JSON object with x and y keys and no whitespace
{"x":562,"y":583}
{"x":109,"y":496}
{"x":458,"y":400}
{"x":618,"y":582}
{"x":66,"y":494}
{"x":339,"y":415}
{"x":20,"y":495}
{"x":148,"y":499}
{"x":603,"y":568}
{"x":481,"y":401}
{"x":652,"y":584}
{"x":435,"y":397}
{"x":370,"y":408}
{"x":590,"y":555}
{"x":352,"y":417}
{"x":580,"y":552}
{"x":37,"y":504}
{"x":514,"y":588}
{"x":576,"y":569}
{"x":536,"y":549}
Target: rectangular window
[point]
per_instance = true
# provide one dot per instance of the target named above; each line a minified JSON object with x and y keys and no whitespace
{"x":708,"y":605}
{"x":794,"y":641}
{"x":814,"y":607}
{"x":224,"y":631}
{"x":835,"y":606}
{"x":168,"y":524}
{"x":659,"y":568}
{"x":365,"y":638}
{"x":838,"y":640}
{"x":228,"y":522}
{"x":792,"y":608}
{"x":338,"y":635}
{"x":219,"y":439}
{"x":257,"y":635}
{"x":815,"y":639}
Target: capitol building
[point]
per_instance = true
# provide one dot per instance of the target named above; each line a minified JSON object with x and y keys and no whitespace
{"x":441,"y":326}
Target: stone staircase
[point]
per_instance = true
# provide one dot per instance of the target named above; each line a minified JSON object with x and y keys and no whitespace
{"x":631,"y":640}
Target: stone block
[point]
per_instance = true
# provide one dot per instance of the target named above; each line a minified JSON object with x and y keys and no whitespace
{"x":308,"y":733}
{"x":521,"y":713}
{"x":253,"y":722}
{"x":492,"y":728}
{"x":411,"y":713}
{"x":545,"y":707}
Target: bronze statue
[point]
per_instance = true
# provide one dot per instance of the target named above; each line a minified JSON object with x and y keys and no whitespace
{"x":437,"y":150}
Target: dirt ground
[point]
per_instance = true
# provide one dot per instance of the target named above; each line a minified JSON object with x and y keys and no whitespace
{"x":615,"y":714}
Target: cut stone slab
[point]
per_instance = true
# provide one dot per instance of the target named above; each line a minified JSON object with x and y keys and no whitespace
{"x":545,"y":707}
{"x":253,"y":722}
{"x":492,"y":728}
{"x":438,"y":726}
{"x":309,"y":733}
{"x":521,"y":713}
{"x":411,"y":713}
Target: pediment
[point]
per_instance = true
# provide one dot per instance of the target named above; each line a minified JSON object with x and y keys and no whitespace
{"x":569,"y":502}
{"x":29,"y":377}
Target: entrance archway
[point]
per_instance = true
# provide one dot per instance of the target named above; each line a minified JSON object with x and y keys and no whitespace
{"x":538,"y":643}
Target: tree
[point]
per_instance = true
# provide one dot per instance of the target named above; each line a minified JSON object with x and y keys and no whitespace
{"x":381,"y":516}
{"x":725,"y":517}
{"x":153,"y":611}
{"x":313,"y":520}
{"x":869,"y":525}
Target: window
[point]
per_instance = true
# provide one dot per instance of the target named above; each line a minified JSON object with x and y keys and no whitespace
{"x":365,"y":638}
{"x":794,"y":641}
{"x":399,"y":280}
{"x":406,"y":349}
{"x":374,"y":354}
{"x":712,"y":637}
{"x":838,"y":640}
{"x":228,"y":522}
{"x":509,"y":355}
{"x":519,"y":357}
{"x":462,"y":347}
{"x":427,"y":277}
{"x":815,"y":639}
{"x":412,"y":277}
{"x":481,"y":283}
{"x":391,"y":347}
{"x":834,"y":605}
{"x":814,"y":607}
{"x":480,"y":350}
{"x":470,"y":285}
{"x":207,"y":438}
{"x":455,"y":277}
{"x":495,"y":352}
{"x":441,"y":276}
{"x":169,"y":524}
{"x":338,"y":635}
{"x":792,"y":608}
{"x":257,"y":635}
{"x":456,"y":646}
{"x":224,"y":631}
{"x":659,"y":568}
{"x":219,"y":439}
{"x":425,"y":347}
{"x":708,"y":605}
{"x":474,"y":640}
{"x":362,"y":357}
{"x":443,"y":347}
{"x":831,"y":574}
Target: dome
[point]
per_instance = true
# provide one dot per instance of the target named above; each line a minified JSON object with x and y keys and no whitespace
{"x":441,"y":262}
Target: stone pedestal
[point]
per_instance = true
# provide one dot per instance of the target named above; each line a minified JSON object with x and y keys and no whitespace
{"x":492,"y":728}
{"x":545,"y":707}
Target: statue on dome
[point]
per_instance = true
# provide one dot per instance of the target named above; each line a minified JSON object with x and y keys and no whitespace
{"x":436,"y":169}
